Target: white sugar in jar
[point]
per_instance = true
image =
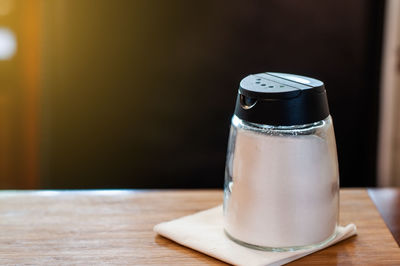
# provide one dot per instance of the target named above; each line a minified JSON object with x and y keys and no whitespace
{"x":281,"y":178}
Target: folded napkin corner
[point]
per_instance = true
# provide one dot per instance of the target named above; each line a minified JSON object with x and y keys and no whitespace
{"x":203,"y":231}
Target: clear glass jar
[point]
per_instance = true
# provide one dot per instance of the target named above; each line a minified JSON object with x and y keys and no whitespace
{"x":281,"y":185}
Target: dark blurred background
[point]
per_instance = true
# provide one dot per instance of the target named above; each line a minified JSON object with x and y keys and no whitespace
{"x":139,"y":94}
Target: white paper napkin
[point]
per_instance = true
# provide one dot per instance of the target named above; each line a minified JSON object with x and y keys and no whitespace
{"x":203,"y":231}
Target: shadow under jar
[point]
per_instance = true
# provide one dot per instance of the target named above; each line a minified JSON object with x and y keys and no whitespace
{"x":281,"y":179}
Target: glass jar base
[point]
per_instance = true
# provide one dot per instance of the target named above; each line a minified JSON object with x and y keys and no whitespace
{"x":281,"y":249}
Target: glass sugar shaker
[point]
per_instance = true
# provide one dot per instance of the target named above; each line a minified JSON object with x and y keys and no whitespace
{"x":281,"y":179}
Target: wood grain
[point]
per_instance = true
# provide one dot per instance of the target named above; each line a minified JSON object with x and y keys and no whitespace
{"x":115,"y":227}
{"x":387,"y":201}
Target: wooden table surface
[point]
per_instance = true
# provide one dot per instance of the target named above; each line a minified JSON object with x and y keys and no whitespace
{"x":115,"y":227}
{"x":387,"y":200}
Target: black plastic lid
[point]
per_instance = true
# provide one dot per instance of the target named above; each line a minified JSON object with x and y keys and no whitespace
{"x":280,"y":99}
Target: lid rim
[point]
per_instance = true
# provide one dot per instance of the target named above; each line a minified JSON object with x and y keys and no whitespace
{"x":281,"y":101}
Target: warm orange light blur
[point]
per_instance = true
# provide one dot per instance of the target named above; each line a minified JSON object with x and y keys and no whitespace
{"x":30,"y":62}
